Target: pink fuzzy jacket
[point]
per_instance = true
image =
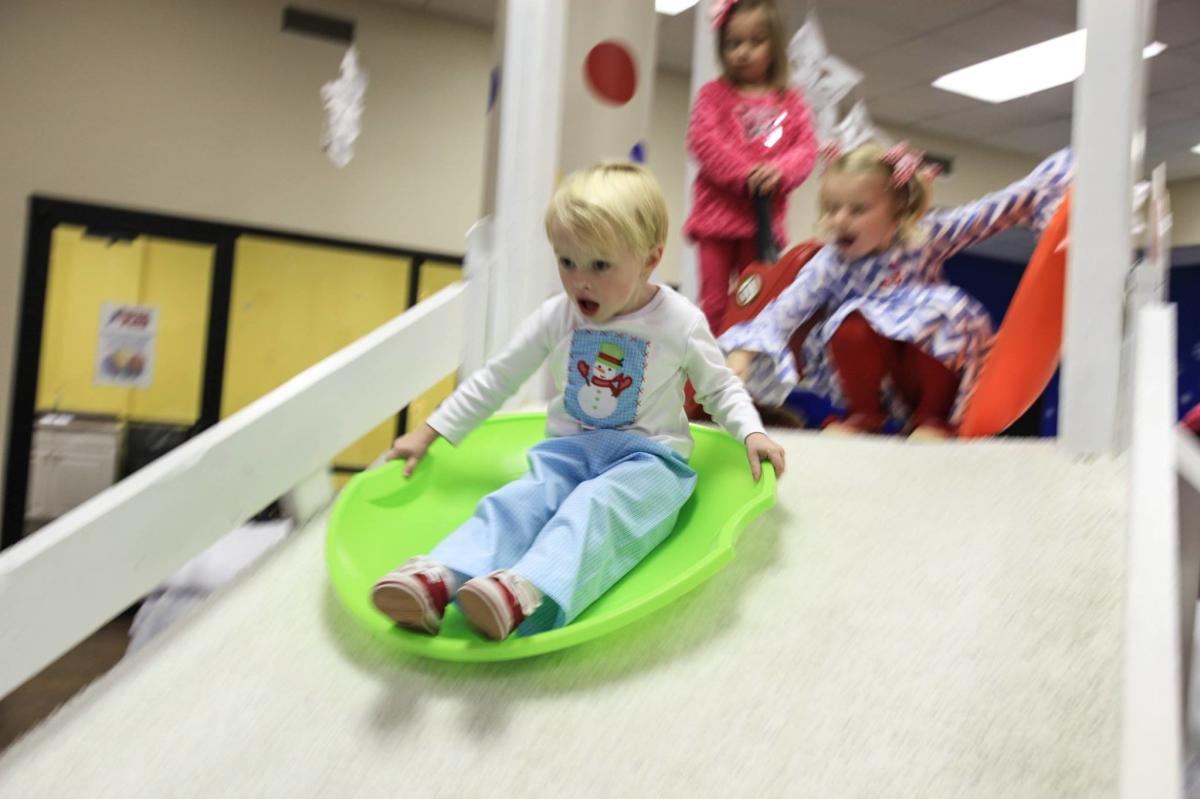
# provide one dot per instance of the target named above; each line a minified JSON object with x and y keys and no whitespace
{"x":730,"y":134}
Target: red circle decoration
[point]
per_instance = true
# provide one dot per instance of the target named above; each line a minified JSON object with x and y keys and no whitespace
{"x":610,"y":72}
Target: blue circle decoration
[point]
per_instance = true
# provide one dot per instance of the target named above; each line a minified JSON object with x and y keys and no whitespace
{"x":493,"y":87}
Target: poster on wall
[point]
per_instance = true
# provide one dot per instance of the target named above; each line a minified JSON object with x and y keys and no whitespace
{"x":125,"y":355}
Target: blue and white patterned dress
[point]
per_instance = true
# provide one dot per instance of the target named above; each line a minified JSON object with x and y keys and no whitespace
{"x":902,"y":292}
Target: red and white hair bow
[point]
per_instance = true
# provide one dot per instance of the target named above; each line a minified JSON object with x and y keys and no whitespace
{"x":719,"y":11}
{"x":906,"y":163}
{"x":830,"y":152}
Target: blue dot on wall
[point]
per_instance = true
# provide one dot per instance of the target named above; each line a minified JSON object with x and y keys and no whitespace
{"x":493,"y":87}
{"x":637,"y":153}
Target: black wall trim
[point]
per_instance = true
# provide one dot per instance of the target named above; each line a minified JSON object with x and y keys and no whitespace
{"x":218,"y":333}
{"x":46,"y":213}
{"x":25,"y":374}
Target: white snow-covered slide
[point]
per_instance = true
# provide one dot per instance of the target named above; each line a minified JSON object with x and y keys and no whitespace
{"x":989,"y":618}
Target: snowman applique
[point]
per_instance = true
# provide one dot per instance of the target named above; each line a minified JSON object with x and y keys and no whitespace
{"x":603,"y":382}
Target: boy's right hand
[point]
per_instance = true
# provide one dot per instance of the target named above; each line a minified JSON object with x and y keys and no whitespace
{"x":412,"y":446}
{"x":739,"y":362}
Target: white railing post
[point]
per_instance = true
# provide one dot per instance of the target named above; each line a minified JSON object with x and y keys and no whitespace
{"x":478,"y":267}
{"x":1107,"y":121}
{"x":704,"y":69}
{"x":1188,"y":483}
{"x":1152,"y":725}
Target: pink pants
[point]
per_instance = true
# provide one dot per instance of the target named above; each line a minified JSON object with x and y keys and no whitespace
{"x":721,"y":260}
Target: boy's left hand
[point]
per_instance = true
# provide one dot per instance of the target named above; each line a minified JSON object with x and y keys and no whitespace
{"x":760,"y":447}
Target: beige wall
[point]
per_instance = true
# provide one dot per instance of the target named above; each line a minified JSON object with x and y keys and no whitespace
{"x":1185,"y":212}
{"x":206,"y":109}
{"x":668,"y":127}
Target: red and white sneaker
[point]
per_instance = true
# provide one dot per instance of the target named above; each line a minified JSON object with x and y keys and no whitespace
{"x":416,"y":594}
{"x":496,"y":603}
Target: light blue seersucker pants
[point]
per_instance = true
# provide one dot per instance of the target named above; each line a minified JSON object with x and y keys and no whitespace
{"x":591,"y":507}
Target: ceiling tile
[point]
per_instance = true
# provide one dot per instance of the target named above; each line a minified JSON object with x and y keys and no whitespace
{"x":850,"y":37}
{"x":1038,"y":140}
{"x":1191,"y":52}
{"x":1181,"y":167}
{"x":1060,"y":11}
{"x":1003,"y":29}
{"x":979,"y":122}
{"x":919,"y":60}
{"x":915,"y":103}
{"x":1170,"y":71}
{"x":1045,"y":105}
{"x":1174,"y":135}
{"x":877,"y":85}
{"x":984,"y":119}
{"x":914,"y":16}
{"x":1177,"y":22}
{"x":1163,"y":108}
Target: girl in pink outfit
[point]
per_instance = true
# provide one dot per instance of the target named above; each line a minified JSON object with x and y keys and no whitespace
{"x":750,"y":134}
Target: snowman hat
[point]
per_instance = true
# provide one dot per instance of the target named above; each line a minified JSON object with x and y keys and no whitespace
{"x":612,"y":354}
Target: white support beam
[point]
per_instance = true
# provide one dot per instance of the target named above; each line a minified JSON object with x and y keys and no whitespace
{"x":530,"y":123}
{"x":1188,"y":485}
{"x":77,"y":573}
{"x":478,"y":267}
{"x":704,"y":69}
{"x":1152,"y":724}
{"x":1106,"y":133}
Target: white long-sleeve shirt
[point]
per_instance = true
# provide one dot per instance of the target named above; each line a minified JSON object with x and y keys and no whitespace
{"x":626,"y":374}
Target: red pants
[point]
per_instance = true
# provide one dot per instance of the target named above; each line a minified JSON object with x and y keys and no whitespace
{"x":719,"y":259}
{"x":1191,"y":420}
{"x":863,"y":358}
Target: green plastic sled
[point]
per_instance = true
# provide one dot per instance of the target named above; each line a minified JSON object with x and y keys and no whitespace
{"x":381,"y":519}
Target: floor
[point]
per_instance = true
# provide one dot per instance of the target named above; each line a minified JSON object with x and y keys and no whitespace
{"x":24,"y":708}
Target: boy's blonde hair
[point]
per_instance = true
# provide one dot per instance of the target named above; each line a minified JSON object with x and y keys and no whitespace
{"x":912,"y":198}
{"x":615,"y":207}
{"x":777,"y":73}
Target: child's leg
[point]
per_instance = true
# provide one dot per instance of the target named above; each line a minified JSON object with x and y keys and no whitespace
{"x":716,"y":260}
{"x":606,"y":527}
{"x":862,"y":358}
{"x":936,"y":387}
{"x":507,"y":521}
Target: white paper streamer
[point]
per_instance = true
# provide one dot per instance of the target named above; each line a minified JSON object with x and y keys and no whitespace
{"x":343,"y":99}
{"x":826,"y":80}
{"x":1141,"y":194}
{"x":857,"y":128}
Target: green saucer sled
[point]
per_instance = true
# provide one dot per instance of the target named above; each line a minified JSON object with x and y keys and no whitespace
{"x":381,"y":519}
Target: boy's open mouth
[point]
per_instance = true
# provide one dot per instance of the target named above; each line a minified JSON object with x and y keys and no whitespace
{"x":589,"y":307}
{"x":846,"y":240}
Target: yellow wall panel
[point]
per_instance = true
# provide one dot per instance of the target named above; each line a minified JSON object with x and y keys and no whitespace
{"x":341,"y":478}
{"x":435,"y":276}
{"x":177,"y":279}
{"x":294,"y":304}
{"x":85,"y":273}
